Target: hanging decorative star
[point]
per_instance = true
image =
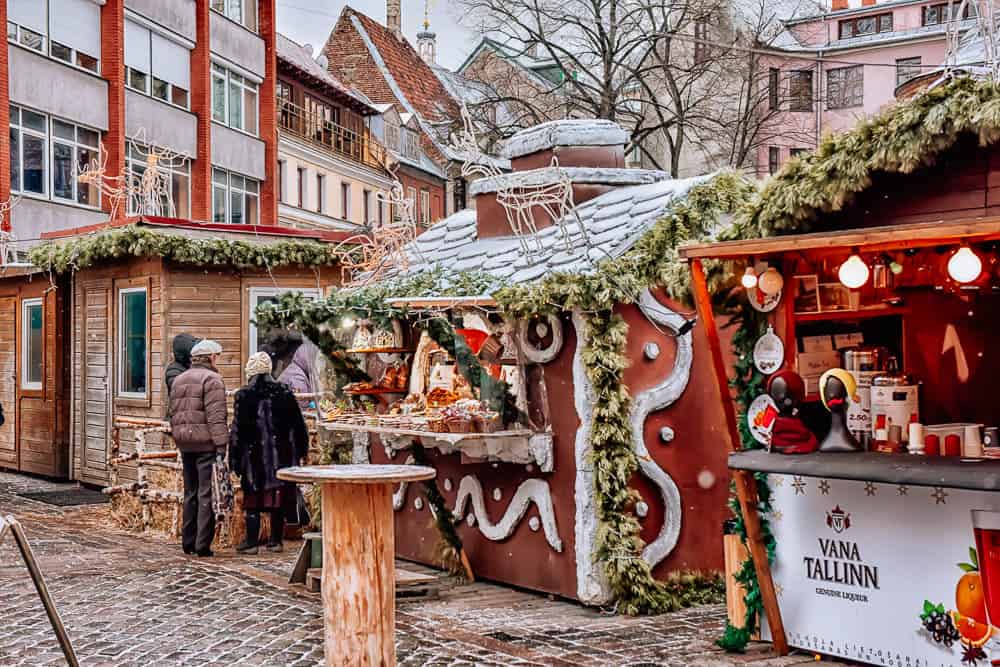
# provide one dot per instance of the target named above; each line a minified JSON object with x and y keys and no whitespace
{"x":939,"y":496}
{"x":800,"y":486}
{"x":870,"y":488}
{"x":778,"y":588}
{"x":902,"y":489}
{"x":776,"y":515}
{"x":824,"y":487}
{"x":776,"y":480}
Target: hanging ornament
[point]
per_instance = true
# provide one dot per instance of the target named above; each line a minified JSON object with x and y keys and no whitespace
{"x":768,"y":352}
{"x":749,"y":279}
{"x":760,"y":418}
{"x":854,"y":272}
{"x":771,"y":282}
{"x":762,"y":302}
{"x":965,"y":266}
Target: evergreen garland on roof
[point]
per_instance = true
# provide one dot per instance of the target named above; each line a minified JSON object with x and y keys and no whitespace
{"x":901,"y":139}
{"x":135,"y":241}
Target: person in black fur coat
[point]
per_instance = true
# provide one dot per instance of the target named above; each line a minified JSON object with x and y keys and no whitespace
{"x":268,"y":433}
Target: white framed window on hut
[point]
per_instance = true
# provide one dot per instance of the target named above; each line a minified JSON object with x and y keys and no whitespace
{"x":32,"y":344}
{"x":262,"y":295}
{"x":133,"y":342}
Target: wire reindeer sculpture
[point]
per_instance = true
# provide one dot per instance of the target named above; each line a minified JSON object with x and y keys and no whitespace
{"x":983,"y":14}
{"x":384,"y":249}
{"x":8,"y":242}
{"x":146,"y":189}
{"x":520,"y":202}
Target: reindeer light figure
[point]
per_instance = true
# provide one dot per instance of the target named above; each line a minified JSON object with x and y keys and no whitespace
{"x":385,"y":247}
{"x":113,"y":189}
{"x":8,"y":251}
{"x":520,"y":202}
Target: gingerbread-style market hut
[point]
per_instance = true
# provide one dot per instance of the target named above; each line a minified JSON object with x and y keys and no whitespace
{"x":529,"y":351}
{"x":886,"y":242}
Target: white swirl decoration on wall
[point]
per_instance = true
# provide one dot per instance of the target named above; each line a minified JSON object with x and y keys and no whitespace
{"x":530,"y":491}
{"x":656,"y":398}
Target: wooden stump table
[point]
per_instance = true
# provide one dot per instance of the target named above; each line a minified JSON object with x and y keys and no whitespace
{"x":359,"y":552}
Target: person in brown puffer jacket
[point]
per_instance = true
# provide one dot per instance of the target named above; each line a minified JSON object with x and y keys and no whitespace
{"x":198,"y":414}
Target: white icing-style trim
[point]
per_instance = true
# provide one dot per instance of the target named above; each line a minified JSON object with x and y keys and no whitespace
{"x":530,"y":491}
{"x":534,"y":354}
{"x":532,"y":178}
{"x":655,"y":398}
{"x":572,"y":132}
{"x":591,"y":581}
{"x":399,"y":497}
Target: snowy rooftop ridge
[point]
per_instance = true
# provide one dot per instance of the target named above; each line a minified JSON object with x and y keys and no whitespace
{"x":605,"y":227}
{"x":576,"y":132}
{"x":550,"y":175}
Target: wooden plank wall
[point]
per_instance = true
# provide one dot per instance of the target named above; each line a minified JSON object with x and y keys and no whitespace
{"x":8,"y":381}
{"x":91,"y":419}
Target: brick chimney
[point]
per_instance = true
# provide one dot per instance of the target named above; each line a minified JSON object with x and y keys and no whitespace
{"x":590,"y":153}
{"x":393,"y":17}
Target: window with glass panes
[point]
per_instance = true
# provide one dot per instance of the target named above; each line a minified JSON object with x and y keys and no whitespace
{"x":845,"y":87}
{"x":156,"y":65}
{"x":906,"y":69}
{"x":235,"y":198}
{"x":773,"y":159}
{"x":67,"y":30}
{"x":180,"y":181}
{"x":28,"y":151}
{"x":243,"y":12}
{"x":32,"y":343}
{"x":345,"y":201}
{"x":800,"y":90}
{"x":945,"y":12}
{"x":865,"y":25}
{"x":425,"y":207}
{"x":73,"y":148}
{"x":133,"y":342}
{"x":234,"y":100}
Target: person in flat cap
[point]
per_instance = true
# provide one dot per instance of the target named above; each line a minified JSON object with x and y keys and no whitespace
{"x":268,"y":434}
{"x":198,"y":423}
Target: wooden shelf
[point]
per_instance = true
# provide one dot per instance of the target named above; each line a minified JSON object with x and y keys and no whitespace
{"x":373,"y":392}
{"x":860,"y":314}
{"x":453,"y":438}
{"x":912,"y":470}
{"x":380,"y":350}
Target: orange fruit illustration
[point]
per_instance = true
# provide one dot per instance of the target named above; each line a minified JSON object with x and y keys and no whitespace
{"x":969,"y":598}
{"x":973,"y":632}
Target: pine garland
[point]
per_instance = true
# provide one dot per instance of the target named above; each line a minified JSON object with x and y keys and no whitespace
{"x":134,"y":241}
{"x":748,"y":383}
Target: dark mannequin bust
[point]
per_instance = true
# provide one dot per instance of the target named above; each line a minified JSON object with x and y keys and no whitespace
{"x":839,"y":439}
{"x":789,"y":435}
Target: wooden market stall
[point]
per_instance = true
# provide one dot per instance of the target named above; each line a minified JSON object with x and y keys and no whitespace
{"x":542,"y":494}
{"x":896,"y":260}
{"x":121,"y":292}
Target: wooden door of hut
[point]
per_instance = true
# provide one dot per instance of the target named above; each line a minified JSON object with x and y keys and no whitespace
{"x":93,"y":417}
{"x":8,"y":382}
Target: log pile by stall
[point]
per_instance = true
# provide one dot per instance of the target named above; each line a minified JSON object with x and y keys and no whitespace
{"x":153,"y":502}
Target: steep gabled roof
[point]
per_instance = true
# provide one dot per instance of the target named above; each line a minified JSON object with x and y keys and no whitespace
{"x":296,"y":57}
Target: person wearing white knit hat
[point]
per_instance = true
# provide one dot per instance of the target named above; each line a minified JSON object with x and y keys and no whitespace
{"x":268,"y":434}
{"x":198,"y":424}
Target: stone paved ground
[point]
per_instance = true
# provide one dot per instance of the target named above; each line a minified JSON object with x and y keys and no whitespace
{"x":127,"y":600}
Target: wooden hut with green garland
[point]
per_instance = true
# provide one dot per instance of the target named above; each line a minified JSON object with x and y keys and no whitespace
{"x":896,"y":539}
{"x":87,"y":330}
{"x":608,"y":481}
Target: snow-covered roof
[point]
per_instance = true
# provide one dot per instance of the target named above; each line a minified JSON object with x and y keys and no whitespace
{"x":603,"y":228}
{"x":786,"y":40}
{"x":580,"y":132}
{"x":543,"y":176}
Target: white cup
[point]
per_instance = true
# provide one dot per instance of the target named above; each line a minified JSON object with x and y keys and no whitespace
{"x":915,"y":435}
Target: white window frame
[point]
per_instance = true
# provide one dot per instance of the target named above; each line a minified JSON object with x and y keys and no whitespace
{"x":345,"y":200}
{"x":75,"y":146}
{"x":167,"y":166}
{"x":238,"y":11}
{"x":44,"y":136}
{"x":229,"y":189}
{"x":425,"y":207}
{"x":26,"y":341}
{"x":241,"y":82}
{"x":15,"y":33}
{"x":257,"y":293}
{"x":120,"y":344}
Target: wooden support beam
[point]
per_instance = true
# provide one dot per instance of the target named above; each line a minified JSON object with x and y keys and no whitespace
{"x":746,"y":486}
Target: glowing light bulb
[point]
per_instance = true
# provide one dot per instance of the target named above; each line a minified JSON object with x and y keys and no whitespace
{"x":749,"y":278}
{"x":965,"y":265}
{"x":347,"y":322}
{"x":854,"y":272}
{"x":771,"y":282}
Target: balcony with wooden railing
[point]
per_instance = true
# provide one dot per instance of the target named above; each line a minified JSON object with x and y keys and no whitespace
{"x":358,"y":146}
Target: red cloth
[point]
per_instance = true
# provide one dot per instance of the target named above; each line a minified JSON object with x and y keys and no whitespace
{"x":790,"y":436}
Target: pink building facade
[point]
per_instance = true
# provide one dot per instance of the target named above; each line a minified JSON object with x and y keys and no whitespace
{"x":826,"y":72}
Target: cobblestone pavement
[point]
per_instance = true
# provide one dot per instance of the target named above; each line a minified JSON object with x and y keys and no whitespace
{"x":129,"y":600}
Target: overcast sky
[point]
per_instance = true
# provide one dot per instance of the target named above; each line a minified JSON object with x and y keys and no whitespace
{"x":310,"y":22}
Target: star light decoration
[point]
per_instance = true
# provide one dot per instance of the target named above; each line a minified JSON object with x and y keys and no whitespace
{"x":824,"y":487}
{"x":520,"y":203}
{"x":800,"y":486}
{"x":870,"y":488}
{"x":940,"y":496}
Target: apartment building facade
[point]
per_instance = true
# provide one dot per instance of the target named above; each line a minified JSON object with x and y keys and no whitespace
{"x":87,"y":81}
{"x":826,"y":72}
{"x":332,"y":170}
